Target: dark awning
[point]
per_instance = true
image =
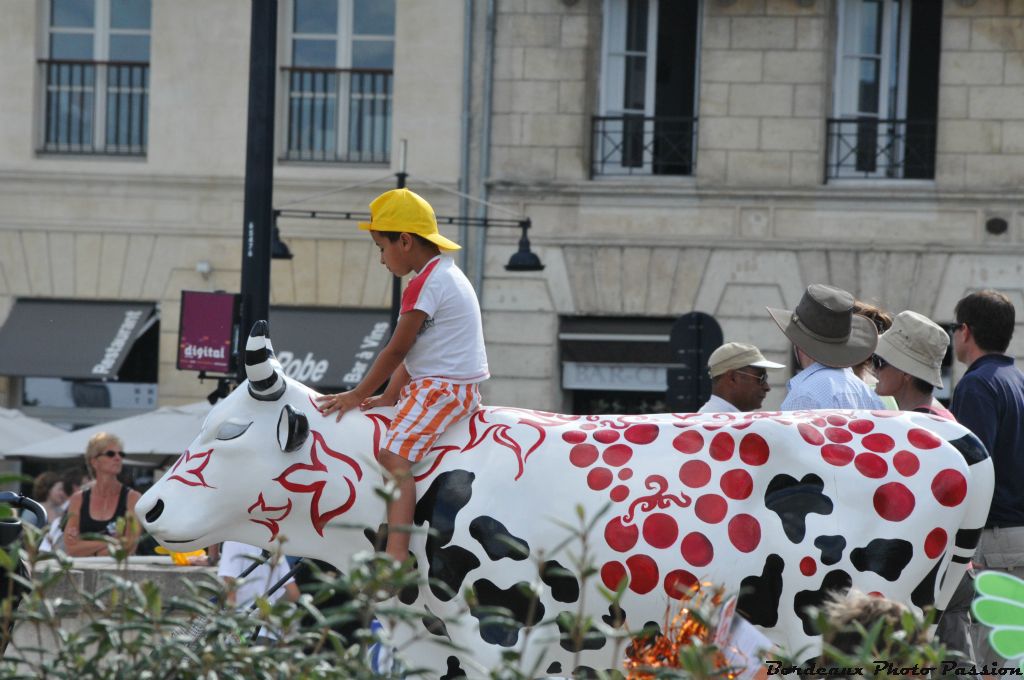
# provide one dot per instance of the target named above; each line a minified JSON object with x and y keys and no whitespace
{"x":615,"y":340}
{"x":71,"y":339}
{"x":328,"y":347}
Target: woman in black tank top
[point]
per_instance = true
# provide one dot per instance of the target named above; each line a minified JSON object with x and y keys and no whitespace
{"x":96,"y":511}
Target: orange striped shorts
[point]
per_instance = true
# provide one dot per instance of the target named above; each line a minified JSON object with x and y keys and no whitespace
{"x":426,"y":408}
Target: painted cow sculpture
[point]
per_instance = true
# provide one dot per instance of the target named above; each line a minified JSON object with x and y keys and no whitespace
{"x":782,"y":507}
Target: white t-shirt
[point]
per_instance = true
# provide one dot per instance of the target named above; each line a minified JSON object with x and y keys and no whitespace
{"x":235,"y":558}
{"x":450,"y":345}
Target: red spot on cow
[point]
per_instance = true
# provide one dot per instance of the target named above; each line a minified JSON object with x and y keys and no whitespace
{"x":612,"y":575}
{"x":737,"y":484}
{"x":583,"y":455}
{"x":838,"y":435}
{"x":745,"y":532}
{"x":643,"y":573}
{"x":885,"y":414}
{"x":695,"y":473}
{"x":620,"y":537}
{"x":836,"y":420}
{"x":599,"y":479}
{"x":680,"y":582}
{"x":876,"y":593}
{"x":879,"y":443}
{"x":722,"y":446}
{"x":690,"y":441}
{"x":810,"y":435}
{"x":808,"y":566}
{"x":606,"y":436}
{"x":871,"y":465}
{"x":923,"y":439}
{"x":837,"y":454}
{"x":893,"y":502}
{"x":588,"y":426}
{"x":574,"y":437}
{"x":935,"y":543}
{"x":861,"y":426}
{"x":819,"y":421}
{"x":619,"y":493}
{"x":754,"y":449}
{"x":697,"y":549}
{"x":711,"y":508}
{"x":906,"y":463}
{"x":617,"y":455}
{"x":625,"y":473}
{"x":642,"y":434}
{"x":660,"y":530}
{"x":949,"y":488}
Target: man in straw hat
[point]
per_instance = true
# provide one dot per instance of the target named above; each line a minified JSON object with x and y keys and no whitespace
{"x":739,"y":379}
{"x":908,"y":361}
{"x":828,"y":338}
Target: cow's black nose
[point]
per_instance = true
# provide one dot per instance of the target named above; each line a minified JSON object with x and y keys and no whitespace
{"x":155,"y":512}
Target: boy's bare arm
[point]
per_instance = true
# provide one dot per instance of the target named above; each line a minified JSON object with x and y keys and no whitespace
{"x":389,"y":359}
{"x":398,"y":380}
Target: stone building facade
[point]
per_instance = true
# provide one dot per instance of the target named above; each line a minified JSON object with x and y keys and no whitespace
{"x":734,"y":200}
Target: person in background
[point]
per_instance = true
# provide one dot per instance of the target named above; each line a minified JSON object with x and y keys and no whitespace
{"x":828,"y":338}
{"x":865,"y":370}
{"x":48,"y":489}
{"x":739,"y":379}
{"x":97,"y":509}
{"x":234,"y":558}
{"x":908,"y":362}
{"x":989,"y":401}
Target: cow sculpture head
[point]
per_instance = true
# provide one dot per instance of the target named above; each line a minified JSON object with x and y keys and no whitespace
{"x":295,"y":482}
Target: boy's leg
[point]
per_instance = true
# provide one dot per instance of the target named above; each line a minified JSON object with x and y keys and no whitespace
{"x":401,"y":509}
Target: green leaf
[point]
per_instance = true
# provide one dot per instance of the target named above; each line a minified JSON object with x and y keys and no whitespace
{"x":1008,"y":642}
{"x":996,"y":612}
{"x":998,"y":584}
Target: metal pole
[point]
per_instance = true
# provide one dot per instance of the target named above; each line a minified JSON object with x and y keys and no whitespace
{"x":259,"y":169}
{"x":396,"y":282}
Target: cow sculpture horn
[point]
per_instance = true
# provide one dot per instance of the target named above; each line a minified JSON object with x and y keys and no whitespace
{"x":266,"y":382}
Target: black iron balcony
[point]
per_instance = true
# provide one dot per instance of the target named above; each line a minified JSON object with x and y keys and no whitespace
{"x":874,"y":148}
{"x":338,"y":115}
{"x":95,"y":107}
{"x":638,"y":145}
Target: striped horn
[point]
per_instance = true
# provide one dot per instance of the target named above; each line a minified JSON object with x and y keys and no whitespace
{"x":266,"y":382}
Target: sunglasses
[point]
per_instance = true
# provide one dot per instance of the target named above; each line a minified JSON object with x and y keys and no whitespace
{"x":878,"y":362}
{"x":762,"y":378}
{"x":111,"y":454}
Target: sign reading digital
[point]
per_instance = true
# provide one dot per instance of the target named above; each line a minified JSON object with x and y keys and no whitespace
{"x":207,"y":328}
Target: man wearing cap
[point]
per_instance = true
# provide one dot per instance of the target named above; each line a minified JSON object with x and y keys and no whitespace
{"x":828,"y":338}
{"x":739,"y":379}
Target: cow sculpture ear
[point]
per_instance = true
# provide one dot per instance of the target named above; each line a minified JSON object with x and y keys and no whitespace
{"x":292,"y":429}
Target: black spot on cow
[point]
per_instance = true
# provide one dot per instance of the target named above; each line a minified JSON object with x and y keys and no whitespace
{"x":588,"y":673}
{"x":503,"y":613}
{"x":439,"y":505}
{"x":760,"y":595}
{"x":887,"y":557}
{"x":496,"y":539}
{"x":971,"y":448}
{"x":831,"y":548}
{"x":379,"y":538}
{"x":454,"y":670}
{"x":554,"y":669}
{"x":563,"y":584}
{"x":924,"y":593}
{"x":793,"y":500}
{"x":447,"y":570}
{"x":805,"y":602}
{"x":615,"y":617}
{"x":576,"y":635}
{"x":434,"y":625}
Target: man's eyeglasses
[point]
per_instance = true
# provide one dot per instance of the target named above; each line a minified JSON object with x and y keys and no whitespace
{"x":878,"y":362}
{"x":762,"y":378}
{"x":111,"y":454}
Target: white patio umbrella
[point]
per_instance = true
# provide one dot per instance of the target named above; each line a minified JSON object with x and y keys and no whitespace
{"x":167,"y":431}
{"x":18,"y":429}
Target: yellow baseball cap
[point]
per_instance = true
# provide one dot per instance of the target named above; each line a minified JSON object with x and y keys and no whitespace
{"x":404,"y":210}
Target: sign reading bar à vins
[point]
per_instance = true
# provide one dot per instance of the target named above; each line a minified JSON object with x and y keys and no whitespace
{"x":208,"y":324}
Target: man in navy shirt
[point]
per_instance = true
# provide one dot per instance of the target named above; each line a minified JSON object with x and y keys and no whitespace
{"x":989,"y":400}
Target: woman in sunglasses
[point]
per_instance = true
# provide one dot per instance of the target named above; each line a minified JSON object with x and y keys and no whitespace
{"x":908,"y":363}
{"x":105,"y":509}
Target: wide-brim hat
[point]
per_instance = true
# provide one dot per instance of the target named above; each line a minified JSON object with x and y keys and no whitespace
{"x":404,"y":210}
{"x":915,"y":345}
{"x":824,"y":326}
{"x":733,"y":355}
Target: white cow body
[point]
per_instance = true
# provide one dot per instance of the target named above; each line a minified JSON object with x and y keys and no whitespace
{"x":784,"y":505}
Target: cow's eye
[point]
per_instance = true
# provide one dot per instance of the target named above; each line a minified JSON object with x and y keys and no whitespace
{"x":232,"y":430}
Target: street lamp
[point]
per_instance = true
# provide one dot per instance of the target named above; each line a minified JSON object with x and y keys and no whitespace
{"x":524,"y":260}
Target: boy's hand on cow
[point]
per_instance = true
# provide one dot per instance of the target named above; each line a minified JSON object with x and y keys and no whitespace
{"x":341,"y":402}
{"x":378,"y":401}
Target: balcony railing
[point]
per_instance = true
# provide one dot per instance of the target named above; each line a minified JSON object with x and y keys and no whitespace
{"x":874,"y":148}
{"x":638,"y":145}
{"x":338,"y":115}
{"x":94,"y":107}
